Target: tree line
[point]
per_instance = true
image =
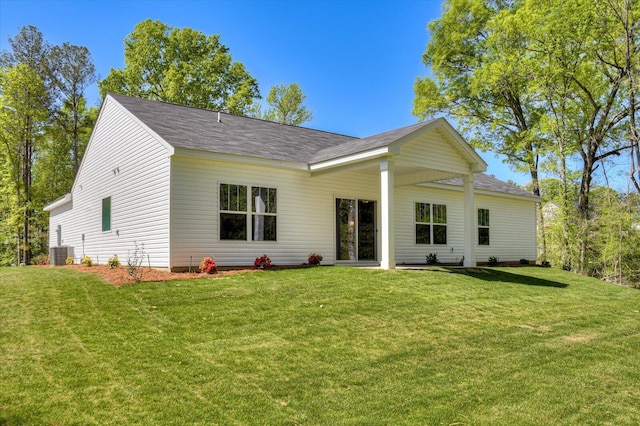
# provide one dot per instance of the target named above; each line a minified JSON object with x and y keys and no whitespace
{"x":45,"y":122}
{"x":550,"y":84}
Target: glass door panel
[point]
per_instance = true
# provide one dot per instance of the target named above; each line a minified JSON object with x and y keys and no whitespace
{"x":345,"y":229}
{"x":366,"y":230}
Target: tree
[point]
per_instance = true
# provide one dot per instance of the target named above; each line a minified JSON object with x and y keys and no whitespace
{"x":44,"y":126}
{"x":28,"y":47}
{"x":285,"y":105}
{"x":72,"y":71}
{"x":23,"y":116}
{"x":483,"y":74}
{"x":182,"y":66}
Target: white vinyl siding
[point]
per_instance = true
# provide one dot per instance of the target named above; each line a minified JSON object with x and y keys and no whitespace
{"x":305,"y":211}
{"x":513,"y":229}
{"x":127,"y":163}
{"x":513,"y":226}
{"x":431,"y":150}
{"x":407,"y":250}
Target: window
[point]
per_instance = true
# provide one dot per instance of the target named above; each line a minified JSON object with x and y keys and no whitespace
{"x":431,"y":223}
{"x":263,"y":219}
{"x":106,"y":214}
{"x":483,"y":227}
{"x":234,"y":212}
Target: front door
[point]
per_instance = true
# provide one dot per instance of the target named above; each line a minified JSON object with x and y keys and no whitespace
{"x":355,"y":229}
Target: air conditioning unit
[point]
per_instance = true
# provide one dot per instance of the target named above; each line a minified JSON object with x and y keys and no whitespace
{"x":58,"y":255}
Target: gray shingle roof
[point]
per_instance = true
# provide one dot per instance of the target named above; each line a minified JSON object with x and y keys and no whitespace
{"x":193,"y":128}
{"x":187,"y":127}
{"x":490,"y":183}
{"x":364,"y":144}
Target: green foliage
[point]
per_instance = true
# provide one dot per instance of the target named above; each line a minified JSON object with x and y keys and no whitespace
{"x":23,"y":120}
{"x":611,"y":235}
{"x":493,"y":260}
{"x":286,"y":105}
{"x":69,"y":260}
{"x":320,"y":346}
{"x":432,"y":259}
{"x":87,"y":261}
{"x":42,"y":135}
{"x":182,"y":66}
{"x":482,"y":78}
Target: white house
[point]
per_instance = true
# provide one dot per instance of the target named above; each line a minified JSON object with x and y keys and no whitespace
{"x":190,"y":183}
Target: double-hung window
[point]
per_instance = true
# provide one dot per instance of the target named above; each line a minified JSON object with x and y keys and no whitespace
{"x":483,"y":227}
{"x":431,"y":223}
{"x":242,"y":206}
{"x":233,"y":212}
{"x":263,"y":217}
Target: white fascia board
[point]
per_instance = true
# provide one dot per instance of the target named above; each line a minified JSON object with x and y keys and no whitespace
{"x":532,"y":198}
{"x":354,"y":158}
{"x":244,"y":159}
{"x":65,"y":199}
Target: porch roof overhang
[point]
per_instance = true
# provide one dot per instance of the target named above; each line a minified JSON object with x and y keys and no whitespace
{"x":65,"y":199}
{"x":406,"y":172}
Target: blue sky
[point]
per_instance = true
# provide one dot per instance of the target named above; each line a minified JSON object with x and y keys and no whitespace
{"x":355,"y":60}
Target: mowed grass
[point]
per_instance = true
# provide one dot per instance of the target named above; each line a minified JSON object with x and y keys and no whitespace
{"x":325,"y":345}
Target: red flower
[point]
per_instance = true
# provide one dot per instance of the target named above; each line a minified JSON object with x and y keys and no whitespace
{"x":208,"y":266}
{"x":262,"y":262}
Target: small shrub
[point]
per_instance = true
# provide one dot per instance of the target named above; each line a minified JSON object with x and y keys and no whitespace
{"x":134,"y":262}
{"x":208,"y":266}
{"x":461,"y":263}
{"x":41,"y":259}
{"x":262,"y":262}
{"x":546,"y":264}
{"x":493,"y":261}
{"x":524,"y":261}
{"x":69,"y":260}
{"x":87,"y":261}
{"x":113,"y":262}
{"x":314,"y":259}
{"x":566,"y":266}
{"x":432,"y":259}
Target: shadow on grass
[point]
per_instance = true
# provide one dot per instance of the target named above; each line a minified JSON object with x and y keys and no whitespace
{"x":492,"y":275}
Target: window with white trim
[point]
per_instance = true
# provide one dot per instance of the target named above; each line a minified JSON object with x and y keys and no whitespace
{"x":233,"y":212}
{"x":263,"y":217}
{"x":238,"y":212}
{"x":483,"y":227}
{"x":431,"y":223}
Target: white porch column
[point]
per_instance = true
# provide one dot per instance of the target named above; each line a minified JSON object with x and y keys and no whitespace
{"x":388,"y":258}
{"x":469,"y":221}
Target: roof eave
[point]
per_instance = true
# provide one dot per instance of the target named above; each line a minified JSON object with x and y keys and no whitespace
{"x":65,"y":199}
{"x":358,"y":157}
{"x":524,"y":197}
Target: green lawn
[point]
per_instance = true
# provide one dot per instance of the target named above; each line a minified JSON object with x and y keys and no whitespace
{"x":325,"y":345}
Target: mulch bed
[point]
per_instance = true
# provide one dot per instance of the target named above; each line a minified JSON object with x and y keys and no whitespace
{"x":119,"y":276}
